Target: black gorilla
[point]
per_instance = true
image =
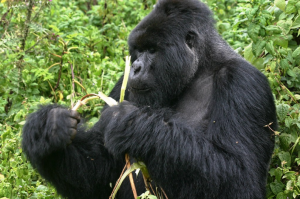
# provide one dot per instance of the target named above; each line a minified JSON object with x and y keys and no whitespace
{"x":196,"y":114}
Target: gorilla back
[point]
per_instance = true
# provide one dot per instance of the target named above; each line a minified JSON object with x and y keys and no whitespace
{"x":196,"y":114}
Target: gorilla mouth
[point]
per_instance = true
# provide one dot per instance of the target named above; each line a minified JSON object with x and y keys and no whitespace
{"x":140,"y":89}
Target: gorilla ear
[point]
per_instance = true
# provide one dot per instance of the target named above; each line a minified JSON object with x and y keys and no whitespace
{"x":190,"y":39}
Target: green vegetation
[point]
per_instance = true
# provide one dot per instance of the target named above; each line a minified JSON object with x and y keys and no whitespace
{"x":57,"y":51}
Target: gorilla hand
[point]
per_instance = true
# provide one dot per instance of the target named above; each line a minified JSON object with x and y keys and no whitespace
{"x":63,"y":124}
{"x":114,"y":124}
{"x":49,"y":129}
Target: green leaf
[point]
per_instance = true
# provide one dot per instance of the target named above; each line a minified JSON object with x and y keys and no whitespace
{"x":296,"y":23}
{"x":270,"y":47}
{"x":272,"y":172}
{"x":272,"y":29}
{"x":151,"y":197}
{"x":277,"y":187}
{"x":258,"y":47}
{"x":22,"y":123}
{"x":288,"y":122}
{"x":285,"y":26}
{"x":281,"y":195}
{"x":282,"y":110}
{"x":253,"y":31}
{"x":134,"y":166}
{"x":290,"y":175}
{"x":41,"y":188}
{"x":55,"y":29}
{"x":281,"y":41}
{"x":273,"y":66}
{"x":296,"y":52}
{"x":278,"y":174}
{"x":291,"y":73}
{"x":285,"y":141}
{"x":289,"y":185}
{"x":284,"y":64}
{"x":285,"y":157}
{"x":248,"y":55}
{"x":290,"y":7}
{"x":280,"y":4}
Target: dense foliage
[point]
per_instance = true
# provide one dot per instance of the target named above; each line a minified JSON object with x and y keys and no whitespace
{"x":57,"y":51}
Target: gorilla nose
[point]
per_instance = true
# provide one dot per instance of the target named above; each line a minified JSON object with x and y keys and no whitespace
{"x":137,"y":66}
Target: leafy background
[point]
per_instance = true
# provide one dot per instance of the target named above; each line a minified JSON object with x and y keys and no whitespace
{"x":57,"y":51}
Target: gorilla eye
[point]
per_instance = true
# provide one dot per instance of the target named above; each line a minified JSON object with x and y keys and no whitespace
{"x":190,"y":39}
{"x":151,"y":50}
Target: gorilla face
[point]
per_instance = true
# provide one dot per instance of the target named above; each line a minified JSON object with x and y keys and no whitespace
{"x":164,"y":57}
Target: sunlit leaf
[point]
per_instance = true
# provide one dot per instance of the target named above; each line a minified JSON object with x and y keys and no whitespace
{"x":280,"y":4}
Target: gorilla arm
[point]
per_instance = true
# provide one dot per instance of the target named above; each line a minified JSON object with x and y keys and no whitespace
{"x":181,"y":157}
{"x":78,"y":166}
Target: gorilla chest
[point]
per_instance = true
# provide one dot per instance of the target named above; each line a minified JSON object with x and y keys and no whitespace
{"x":193,"y":107}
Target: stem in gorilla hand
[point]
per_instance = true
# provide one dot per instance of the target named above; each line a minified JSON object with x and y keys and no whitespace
{"x":125,"y":78}
{"x":112,"y":102}
{"x":122,"y":95}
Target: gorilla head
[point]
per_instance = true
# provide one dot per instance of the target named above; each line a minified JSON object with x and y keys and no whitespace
{"x":168,"y":48}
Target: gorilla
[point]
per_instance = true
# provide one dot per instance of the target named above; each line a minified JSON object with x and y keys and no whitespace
{"x":195,"y":112}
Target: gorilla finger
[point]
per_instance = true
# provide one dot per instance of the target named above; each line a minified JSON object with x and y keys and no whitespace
{"x":75,"y":114}
{"x":73,"y":123}
{"x":55,"y":112}
{"x":73,"y":133}
{"x":125,"y":102}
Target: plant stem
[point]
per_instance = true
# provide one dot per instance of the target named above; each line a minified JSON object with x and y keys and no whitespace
{"x":26,"y":28}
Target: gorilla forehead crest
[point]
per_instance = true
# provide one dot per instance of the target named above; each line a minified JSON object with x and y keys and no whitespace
{"x":173,"y":16}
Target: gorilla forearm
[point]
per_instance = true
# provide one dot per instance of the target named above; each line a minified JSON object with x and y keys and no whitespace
{"x":83,"y":165}
{"x":78,"y":173}
{"x":35,"y":133}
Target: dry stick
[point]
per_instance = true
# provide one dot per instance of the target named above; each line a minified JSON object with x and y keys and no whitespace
{"x":60,"y":67}
{"x":7,"y":24}
{"x":152,"y":189}
{"x":79,"y":84}
{"x":4,"y":16}
{"x":26,"y":28}
{"x":130,"y":176}
{"x":125,"y":166}
{"x":52,"y":91}
{"x":73,"y":84}
{"x":147,"y":185}
{"x":59,"y":74}
{"x":164,"y":192}
{"x":110,"y":101}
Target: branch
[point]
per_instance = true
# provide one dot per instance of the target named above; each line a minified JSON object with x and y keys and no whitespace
{"x":35,"y":44}
{"x":73,"y":85}
{"x":59,"y":74}
{"x":26,"y":28}
{"x":110,"y":101}
{"x":7,"y":25}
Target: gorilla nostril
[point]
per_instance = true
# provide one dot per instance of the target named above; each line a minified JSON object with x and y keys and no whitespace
{"x":137,"y":69}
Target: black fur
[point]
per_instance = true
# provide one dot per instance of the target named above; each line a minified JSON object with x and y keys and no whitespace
{"x":195,"y":114}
